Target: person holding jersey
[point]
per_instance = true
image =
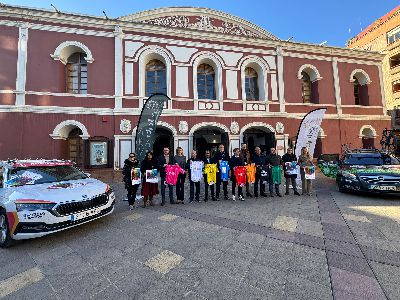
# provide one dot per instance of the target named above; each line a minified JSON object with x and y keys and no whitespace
{"x":130,"y":164}
{"x":221,"y":157}
{"x":149,"y":189}
{"x":236,"y":162}
{"x":208,"y":161}
{"x":180,"y":160}
{"x":194,"y":168}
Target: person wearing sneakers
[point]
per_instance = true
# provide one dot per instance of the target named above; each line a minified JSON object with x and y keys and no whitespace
{"x":234,"y":162}
{"x":130,"y":164}
{"x":289,"y":161}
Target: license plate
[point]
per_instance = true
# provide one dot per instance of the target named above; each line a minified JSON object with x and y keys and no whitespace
{"x":383,"y":187}
{"x":85,"y":214}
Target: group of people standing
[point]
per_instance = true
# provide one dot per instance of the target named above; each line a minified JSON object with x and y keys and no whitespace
{"x":242,"y":169}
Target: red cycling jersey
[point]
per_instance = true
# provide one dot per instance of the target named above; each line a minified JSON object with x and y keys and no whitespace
{"x":240,"y":175}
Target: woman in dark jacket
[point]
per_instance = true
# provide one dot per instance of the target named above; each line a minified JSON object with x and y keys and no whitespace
{"x":149,"y":189}
{"x":129,"y":164}
{"x":290,"y":157}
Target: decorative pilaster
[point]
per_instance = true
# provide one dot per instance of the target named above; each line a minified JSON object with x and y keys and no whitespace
{"x":281,"y":84}
{"x":382,"y":90}
{"x":336,"y":84}
{"x":21,"y":64}
{"x":119,"y":86}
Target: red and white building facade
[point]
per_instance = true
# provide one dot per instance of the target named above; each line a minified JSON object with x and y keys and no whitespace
{"x":45,"y":113}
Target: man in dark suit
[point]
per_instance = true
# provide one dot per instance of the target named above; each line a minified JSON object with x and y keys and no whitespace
{"x":219,"y":156}
{"x":162,"y":162}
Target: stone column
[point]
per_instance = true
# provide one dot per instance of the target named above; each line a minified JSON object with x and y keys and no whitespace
{"x":336,"y":84}
{"x":281,"y":84}
{"x":118,"y":36}
{"x":21,"y":64}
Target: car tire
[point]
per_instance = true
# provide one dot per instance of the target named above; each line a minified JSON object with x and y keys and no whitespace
{"x":340,"y":186}
{"x":5,"y":237}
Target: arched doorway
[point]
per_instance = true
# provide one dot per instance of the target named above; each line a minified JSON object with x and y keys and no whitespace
{"x":75,"y":146}
{"x":209,"y":138}
{"x":162,"y":138}
{"x":368,"y":137}
{"x":259,"y":137}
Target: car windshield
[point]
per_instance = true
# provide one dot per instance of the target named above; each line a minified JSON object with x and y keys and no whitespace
{"x":38,"y":175}
{"x":371,"y":160}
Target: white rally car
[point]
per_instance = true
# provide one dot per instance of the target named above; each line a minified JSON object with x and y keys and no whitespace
{"x":39,"y":197}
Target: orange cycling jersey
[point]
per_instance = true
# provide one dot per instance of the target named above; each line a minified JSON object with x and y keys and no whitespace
{"x":251,"y":173}
{"x":210,"y":170}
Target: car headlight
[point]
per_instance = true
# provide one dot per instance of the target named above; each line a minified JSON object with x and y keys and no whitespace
{"x":34,"y":206}
{"x":108,"y":190}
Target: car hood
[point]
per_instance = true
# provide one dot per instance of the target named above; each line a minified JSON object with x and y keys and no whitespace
{"x":392,"y":170}
{"x":59,"y":192}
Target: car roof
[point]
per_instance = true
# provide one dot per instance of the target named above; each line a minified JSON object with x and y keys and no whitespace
{"x":15,"y":163}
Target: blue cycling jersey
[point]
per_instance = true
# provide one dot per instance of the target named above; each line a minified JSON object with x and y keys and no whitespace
{"x":224,"y":170}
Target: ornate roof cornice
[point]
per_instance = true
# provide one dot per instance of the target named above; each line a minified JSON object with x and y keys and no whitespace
{"x":204,"y":19}
{"x":43,"y":19}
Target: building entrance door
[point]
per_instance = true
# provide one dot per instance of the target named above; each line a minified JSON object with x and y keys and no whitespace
{"x":259,"y":137}
{"x":209,"y":139}
{"x":75,"y":146}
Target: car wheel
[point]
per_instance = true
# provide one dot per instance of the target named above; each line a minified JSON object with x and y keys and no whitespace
{"x":340,"y":186}
{"x":5,"y":238}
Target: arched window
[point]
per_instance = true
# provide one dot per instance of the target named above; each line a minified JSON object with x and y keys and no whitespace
{"x":251,"y":86}
{"x":305,"y":87}
{"x":77,"y":73}
{"x":205,"y":82}
{"x":155,"y":78}
{"x":356,"y":91}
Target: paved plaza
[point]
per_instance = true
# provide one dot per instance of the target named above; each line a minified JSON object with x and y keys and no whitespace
{"x":327,"y":246}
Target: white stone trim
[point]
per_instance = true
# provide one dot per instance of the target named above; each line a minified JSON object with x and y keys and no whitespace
{"x":361,"y":135}
{"x":261,"y":68}
{"x":118,"y":63}
{"x":311,"y":70}
{"x":144,"y":55}
{"x":126,"y":112}
{"x":321,"y":133}
{"x":363,"y":80}
{"x":336,"y":84}
{"x":162,"y":124}
{"x":61,"y":53}
{"x":21,"y":64}
{"x":60,"y":133}
{"x":281,"y":83}
{"x":208,"y":124}
{"x":217,"y":63}
{"x":382,"y":89}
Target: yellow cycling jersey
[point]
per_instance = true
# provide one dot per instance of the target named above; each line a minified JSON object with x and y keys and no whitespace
{"x":251,"y":173}
{"x":210,"y":170}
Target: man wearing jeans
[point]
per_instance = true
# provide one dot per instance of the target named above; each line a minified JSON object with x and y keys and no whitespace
{"x":162,"y":162}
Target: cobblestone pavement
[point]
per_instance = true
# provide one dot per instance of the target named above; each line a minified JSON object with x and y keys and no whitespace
{"x":327,"y":246}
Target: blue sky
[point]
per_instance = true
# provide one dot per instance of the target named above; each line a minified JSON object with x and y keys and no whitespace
{"x":311,"y":21}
